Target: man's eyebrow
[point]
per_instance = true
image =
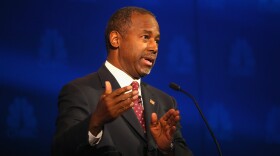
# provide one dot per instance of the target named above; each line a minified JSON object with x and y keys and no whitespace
{"x":150,"y":32}
{"x":147,"y":31}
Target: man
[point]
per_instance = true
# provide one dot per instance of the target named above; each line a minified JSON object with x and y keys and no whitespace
{"x":103,"y":114}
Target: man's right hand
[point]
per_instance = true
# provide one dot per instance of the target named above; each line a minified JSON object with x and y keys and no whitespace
{"x":111,"y":105}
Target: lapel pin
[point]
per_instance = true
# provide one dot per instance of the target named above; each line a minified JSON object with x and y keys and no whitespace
{"x":152,"y":102}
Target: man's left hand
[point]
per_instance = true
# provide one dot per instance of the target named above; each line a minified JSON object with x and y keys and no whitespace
{"x":163,"y":129}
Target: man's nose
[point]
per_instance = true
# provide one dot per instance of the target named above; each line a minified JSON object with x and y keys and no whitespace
{"x":153,"y":46}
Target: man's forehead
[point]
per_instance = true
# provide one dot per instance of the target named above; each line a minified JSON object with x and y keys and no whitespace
{"x":144,"y":20}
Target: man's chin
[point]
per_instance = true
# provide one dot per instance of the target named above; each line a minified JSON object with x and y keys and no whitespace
{"x":145,"y":72}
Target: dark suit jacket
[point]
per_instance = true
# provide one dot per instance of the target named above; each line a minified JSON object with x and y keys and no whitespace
{"x":123,"y":136}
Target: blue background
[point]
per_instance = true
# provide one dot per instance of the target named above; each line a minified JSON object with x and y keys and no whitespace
{"x":225,"y":52}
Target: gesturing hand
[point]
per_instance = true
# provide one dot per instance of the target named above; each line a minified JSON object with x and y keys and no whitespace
{"x":111,"y":105}
{"x":163,"y":129}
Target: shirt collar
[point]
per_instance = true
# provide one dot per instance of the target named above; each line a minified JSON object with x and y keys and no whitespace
{"x":122,"y":78}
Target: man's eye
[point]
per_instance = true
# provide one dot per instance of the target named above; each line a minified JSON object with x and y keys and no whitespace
{"x":146,"y":37}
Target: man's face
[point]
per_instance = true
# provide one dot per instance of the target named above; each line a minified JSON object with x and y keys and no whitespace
{"x":139,"y":46}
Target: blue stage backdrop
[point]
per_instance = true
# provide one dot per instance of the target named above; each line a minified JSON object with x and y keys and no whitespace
{"x":225,"y":52}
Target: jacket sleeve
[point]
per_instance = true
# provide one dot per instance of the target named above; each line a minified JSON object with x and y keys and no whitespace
{"x":72,"y":122}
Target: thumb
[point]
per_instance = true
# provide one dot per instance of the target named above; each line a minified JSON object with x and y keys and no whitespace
{"x":108,"y":88}
{"x":154,"y":119}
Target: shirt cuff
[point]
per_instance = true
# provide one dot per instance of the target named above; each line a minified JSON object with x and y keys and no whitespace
{"x":94,"y":140}
{"x":167,"y":152}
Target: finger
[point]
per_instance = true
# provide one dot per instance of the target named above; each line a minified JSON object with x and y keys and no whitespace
{"x":173,"y":119}
{"x":120,"y":91}
{"x":176,"y":116}
{"x":171,"y":115}
{"x":108,"y":88}
{"x":154,"y":119}
{"x":125,"y":106}
{"x":172,"y":130}
{"x":168,"y":114}
{"x":132,"y":96}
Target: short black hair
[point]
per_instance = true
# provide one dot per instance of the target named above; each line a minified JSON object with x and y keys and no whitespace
{"x":120,"y":21}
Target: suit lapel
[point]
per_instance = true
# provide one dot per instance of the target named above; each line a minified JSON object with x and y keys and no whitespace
{"x":149,"y":102}
{"x":105,"y":75}
{"x":150,"y":106}
{"x":129,"y":116}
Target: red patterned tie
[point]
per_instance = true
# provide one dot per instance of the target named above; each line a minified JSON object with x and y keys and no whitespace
{"x":138,"y":108}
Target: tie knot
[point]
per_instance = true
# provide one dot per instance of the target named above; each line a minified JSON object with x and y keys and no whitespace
{"x":135,"y":85}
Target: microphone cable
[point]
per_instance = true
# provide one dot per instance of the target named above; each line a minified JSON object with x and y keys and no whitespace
{"x":176,"y":87}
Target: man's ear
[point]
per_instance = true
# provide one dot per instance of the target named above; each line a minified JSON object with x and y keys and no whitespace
{"x":115,"y":39}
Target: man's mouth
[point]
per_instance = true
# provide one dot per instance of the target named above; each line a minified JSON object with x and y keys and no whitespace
{"x":149,"y":61}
